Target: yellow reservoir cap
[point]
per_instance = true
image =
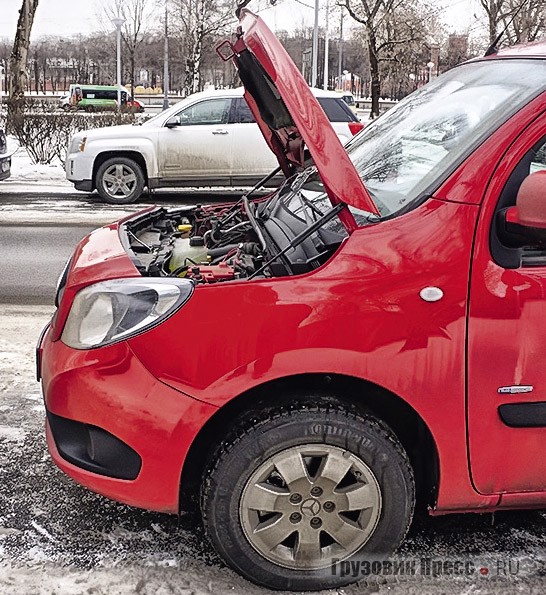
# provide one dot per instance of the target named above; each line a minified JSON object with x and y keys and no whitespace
{"x":186,"y":228}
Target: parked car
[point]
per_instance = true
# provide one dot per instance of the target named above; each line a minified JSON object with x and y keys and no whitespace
{"x":208,"y":139}
{"x":307,"y":367}
{"x":133,"y":105}
{"x":5,"y":157}
{"x":349,"y":99}
{"x":64,"y":102}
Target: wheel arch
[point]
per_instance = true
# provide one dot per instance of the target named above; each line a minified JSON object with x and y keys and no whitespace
{"x":406,"y":423}
{"x":137,"y":157}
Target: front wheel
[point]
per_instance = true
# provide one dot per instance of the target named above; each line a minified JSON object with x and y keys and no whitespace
{"x":119,"y":181}
{"x":297,"y":492}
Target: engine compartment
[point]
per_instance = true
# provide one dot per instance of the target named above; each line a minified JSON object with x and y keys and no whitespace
{"x":290,"y":232}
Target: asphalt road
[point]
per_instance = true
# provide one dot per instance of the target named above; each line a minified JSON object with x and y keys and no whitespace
{"x":32,"y":258}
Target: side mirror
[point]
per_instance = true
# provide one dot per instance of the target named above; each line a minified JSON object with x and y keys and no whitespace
{"x":173,"y":122}
{"x":526,"y":222}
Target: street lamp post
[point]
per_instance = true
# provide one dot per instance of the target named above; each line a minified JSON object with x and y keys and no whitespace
{"x":430,"y":66}
{"x":340,"y":53}
{"x":326,"y":49}
{"x":118,"y":23}
{"x":314,"y":65}
{"x":166,"y":61}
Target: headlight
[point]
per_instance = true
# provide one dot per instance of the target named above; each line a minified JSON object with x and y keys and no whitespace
{"x":111,"y":311}
{"x":77,"y":144}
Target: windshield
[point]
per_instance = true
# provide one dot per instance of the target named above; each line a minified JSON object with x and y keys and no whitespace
{"x":164,"y":115}
{"x":407,"y":152}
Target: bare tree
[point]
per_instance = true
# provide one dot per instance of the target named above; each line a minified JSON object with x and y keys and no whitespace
{"x":522,"y":20}
{"x":389,"y":26}
{"x":139,"y":17}
{"x":18,"y":75}
{"x":198,"y":21}
{"x":495,"y":10}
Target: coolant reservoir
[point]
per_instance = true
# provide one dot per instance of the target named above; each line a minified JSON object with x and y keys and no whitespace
{"x":185,"y":255}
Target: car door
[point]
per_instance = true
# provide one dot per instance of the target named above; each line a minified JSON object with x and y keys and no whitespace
{"x":507,"y":337}
{"x":199,"y":148}
{"x":252,"y":157}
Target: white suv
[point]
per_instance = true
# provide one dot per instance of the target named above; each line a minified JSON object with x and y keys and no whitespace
{"x":208,"y":139}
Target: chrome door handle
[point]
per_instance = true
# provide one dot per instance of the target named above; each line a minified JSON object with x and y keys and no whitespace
{"x":219,"y":132}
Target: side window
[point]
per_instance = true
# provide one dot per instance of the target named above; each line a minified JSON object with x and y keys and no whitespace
{"x":336,"y":109}
{"x":240,"y":112}
{"x":515,"y":255}
{"x":538,"y":162}
{"x":108,"y":94}
{"x":209,"y":111}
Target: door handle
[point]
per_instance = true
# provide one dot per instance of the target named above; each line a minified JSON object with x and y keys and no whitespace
{"x":219,"y":132}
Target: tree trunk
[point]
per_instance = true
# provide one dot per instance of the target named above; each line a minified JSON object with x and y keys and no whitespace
{"x":374,"y":75}
{"x":36,"y":77}
{"x":18,"y":75}
{"x":198,"y":48}
{"x":492,"y":26}
{"x":132,"y":66}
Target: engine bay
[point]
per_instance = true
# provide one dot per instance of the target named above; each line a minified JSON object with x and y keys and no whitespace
{"x":292,"y":231}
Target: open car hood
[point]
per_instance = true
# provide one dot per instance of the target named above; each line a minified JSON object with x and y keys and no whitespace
{"x":289,"y":116}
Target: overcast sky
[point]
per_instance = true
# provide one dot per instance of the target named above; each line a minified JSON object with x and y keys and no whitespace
{"x":70,"y":17}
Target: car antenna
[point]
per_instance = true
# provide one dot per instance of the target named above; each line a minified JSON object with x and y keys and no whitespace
{"x":493,"y":49}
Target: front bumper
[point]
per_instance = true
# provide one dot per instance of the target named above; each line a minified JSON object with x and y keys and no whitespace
{"x":107,"y":412}
{"x":79,"y":168}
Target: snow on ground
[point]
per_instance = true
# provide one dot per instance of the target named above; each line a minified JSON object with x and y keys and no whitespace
{"x":46,"y":211}
{"x":29,"y":179}
{"x":24,"y":171}
{"x":57,"y":537}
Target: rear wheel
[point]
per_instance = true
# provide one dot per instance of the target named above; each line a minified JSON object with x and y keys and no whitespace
{"x":296,"y":492}
{"x":119,"y":181}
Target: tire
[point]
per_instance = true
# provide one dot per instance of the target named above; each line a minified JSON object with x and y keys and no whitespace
{"x":119,"y":181}
{"x":276,"y":475}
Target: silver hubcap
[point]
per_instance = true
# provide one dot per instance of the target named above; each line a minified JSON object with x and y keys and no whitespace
{"x":308,"y":504}
{"x":119,"y":181}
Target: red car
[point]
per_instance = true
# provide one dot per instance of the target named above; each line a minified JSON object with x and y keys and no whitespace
{"x":134,"y":105}
{"x":306,"y":367}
